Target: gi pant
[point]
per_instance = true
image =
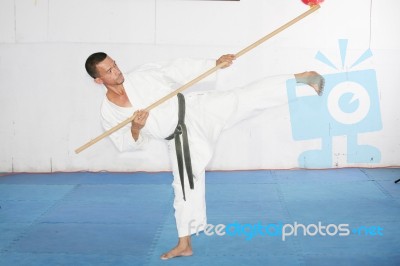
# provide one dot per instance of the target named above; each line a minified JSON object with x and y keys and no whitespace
{"x":207,"y":115}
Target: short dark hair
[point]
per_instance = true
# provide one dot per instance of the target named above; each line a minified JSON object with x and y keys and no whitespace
{"x":92,"y":62}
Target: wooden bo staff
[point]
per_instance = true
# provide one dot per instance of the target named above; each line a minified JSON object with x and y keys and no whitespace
{"x":194,"y":81}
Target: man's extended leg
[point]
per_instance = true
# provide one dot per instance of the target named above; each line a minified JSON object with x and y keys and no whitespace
{"x":270,"y":93}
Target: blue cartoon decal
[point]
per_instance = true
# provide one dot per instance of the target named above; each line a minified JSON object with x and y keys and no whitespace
{"x":349,"y":106}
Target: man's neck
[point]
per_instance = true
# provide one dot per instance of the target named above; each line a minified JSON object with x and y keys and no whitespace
{"x":116,"y":90}
{"x":118,"y":96}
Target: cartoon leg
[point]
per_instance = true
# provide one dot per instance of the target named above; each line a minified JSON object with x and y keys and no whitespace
{"x":318,"y":158}
{"x":361,"y":153}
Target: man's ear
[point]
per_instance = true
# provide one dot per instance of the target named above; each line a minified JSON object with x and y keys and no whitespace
{"x":98,"y":80}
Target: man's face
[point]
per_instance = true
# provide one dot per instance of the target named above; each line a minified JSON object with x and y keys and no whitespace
{"x":109,"y":73}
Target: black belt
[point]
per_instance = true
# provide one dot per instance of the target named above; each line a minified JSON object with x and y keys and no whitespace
{"x":181,"y":130}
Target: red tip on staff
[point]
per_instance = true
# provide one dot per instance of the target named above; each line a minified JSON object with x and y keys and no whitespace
{"x":312,"y":2}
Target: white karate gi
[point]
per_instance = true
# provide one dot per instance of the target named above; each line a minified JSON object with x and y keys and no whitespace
{"x":207,"y":114}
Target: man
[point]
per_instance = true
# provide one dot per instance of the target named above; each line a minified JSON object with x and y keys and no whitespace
{"x":206,"y":115}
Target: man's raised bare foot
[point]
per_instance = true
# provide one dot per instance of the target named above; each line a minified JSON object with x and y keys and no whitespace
{"x":313,"y":79}
{"x":183,"y":249}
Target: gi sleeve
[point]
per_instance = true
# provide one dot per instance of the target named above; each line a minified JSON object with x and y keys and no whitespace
{"x":122,"y":138}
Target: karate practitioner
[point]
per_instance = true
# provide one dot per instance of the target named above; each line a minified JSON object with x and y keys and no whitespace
{"x":207,"y":114}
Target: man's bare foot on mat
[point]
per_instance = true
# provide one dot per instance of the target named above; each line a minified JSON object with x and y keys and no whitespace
{"x":183,"y":249}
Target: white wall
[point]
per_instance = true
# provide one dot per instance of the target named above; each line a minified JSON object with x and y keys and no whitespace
{"x":49,"y":106}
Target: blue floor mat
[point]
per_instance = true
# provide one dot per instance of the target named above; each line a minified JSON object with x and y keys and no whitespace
{"x":128,"y":218}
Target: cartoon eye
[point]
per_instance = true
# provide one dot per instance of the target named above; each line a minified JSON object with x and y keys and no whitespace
{"x":349,"y":103}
